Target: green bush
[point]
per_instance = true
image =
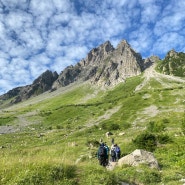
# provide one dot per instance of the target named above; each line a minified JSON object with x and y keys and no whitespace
{"x":146,"y":141}
{"x":114,"y":126}
{"x":59,"y":127}
{"x":156,"y":126}
{"x":110,"y":126}
{"x":151,"y":177}
{"x":93,"y":142}
{"x":127,"y":125}
{"x":164,"y":138}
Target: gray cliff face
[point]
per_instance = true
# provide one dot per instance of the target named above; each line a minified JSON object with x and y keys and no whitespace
{"x":104,"y":66}
{"x":122,"y":63}
{"x":149,"y":61}
{"x":41,"y":84}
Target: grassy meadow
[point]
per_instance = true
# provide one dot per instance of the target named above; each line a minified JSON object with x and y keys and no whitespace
{"x":52,"y":144}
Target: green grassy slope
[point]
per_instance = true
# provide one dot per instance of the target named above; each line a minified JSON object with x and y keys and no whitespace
{"x":52,"y":146}
{"x":173,"y":65}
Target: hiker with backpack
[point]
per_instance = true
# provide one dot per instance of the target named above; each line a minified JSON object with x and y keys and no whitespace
{"x":102,"y":155}
{"x":113,"y":153}
{"x":107,"y":153}
{"x":118,"y":152}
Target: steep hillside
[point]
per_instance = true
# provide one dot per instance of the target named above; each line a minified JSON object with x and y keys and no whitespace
{"x":53,"y":138}
{"x":173,"y":64}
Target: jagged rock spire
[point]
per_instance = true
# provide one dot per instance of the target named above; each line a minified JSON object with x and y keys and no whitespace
{"x":105,"y":65}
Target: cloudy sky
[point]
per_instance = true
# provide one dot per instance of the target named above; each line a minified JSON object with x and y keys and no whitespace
{"x":36,"y":35}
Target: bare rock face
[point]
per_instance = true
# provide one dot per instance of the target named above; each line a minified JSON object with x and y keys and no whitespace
{"x":42,"y":84}
{"x":104,"y":66}
{"x":172,"y":53}
{"x":149,"y":61}
{"x":139,"y":157}
{"x":97,"y":55}
{"x":124,"y":62}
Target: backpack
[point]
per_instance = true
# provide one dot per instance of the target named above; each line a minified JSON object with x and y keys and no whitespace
{"x":113,"y":153}
{"x":118,"y":149}
{"x":102,"y":151}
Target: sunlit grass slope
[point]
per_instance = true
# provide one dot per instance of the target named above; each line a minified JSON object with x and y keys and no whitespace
{"x":53,"y":146}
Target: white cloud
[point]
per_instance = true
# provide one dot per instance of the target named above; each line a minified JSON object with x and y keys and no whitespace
{"x":4,"y":84}
{"x":37,"y":35}
{"x":167,"y":42}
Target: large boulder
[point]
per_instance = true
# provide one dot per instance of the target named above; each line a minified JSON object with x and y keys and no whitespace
{"x":139,"y":157}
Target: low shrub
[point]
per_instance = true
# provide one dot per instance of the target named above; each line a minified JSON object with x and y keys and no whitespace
{"x":146,"y":141}
{"x":151,"y":177}
{"x":126,"y":125}
{"x":110,"y":126}
{"x":164,"y":138}
{"x":156,"y":126}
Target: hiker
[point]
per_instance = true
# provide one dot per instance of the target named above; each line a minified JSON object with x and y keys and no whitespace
{"x":118,"y":152}
{"x":112,"y":141}
{"x":102,"y":155}
{"x":113,"y":153}
{"x":107,"y":153}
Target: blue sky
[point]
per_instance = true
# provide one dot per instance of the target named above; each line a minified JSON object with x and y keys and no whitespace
{"x":36,"y":35}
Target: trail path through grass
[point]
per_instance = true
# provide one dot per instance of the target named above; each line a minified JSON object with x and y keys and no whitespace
{"x":152,"y":73}
{"x":166,"y":82}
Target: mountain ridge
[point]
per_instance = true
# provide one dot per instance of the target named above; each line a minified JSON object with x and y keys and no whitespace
{"x":103,"y":66}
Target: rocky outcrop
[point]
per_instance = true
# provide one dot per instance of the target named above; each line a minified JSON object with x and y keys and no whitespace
{"x":42,"y":84}
{"x":139,"y":157}
{"x":149,"y":61}
{"x":104,"y":65}
{"x":173,"y":64}
{"x":172,"y":53}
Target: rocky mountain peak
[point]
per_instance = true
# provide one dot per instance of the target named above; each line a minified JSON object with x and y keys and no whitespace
{"x":173,"y":64}
{"x":149,"y":61}
{"x":104,"y":66}
{"x":46,"y":80}
{"x":172,"y":53}
{"x":123,"y":43}
{"x":96,"y":55}
{"x":125,"y":52}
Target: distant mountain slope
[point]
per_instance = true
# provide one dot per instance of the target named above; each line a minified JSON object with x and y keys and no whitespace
{"x":173,"y":64}
{"x":41,"y":84}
